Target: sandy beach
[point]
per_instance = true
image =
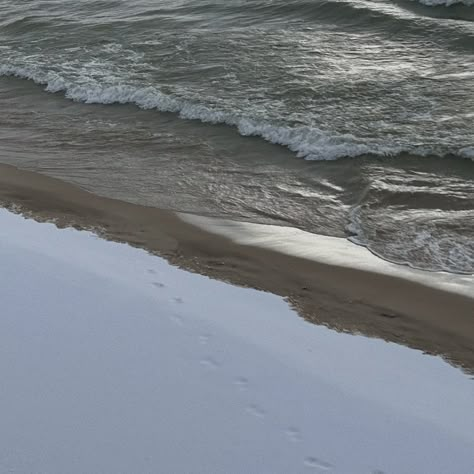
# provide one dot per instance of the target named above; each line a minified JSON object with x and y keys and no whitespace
{"x":436,"y":320}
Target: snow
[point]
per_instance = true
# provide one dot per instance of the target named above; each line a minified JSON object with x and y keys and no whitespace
{"x":112,"y":361}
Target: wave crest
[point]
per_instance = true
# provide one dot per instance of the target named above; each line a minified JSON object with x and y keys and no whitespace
{"x":307,"y":142}
{"x":446,"y":3}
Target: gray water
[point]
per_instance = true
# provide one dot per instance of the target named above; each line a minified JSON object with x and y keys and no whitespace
{"x":347,"y":118}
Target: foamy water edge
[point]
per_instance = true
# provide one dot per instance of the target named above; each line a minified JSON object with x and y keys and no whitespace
{"x":310,"y":143}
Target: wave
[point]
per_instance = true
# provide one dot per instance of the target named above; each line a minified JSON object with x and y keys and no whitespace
{"x":387,"y":17}
{"x":254,"y":11}
{"x":308,"y":142}
{"x":459,"y":10}
{"x":423,"y":245}
{"x":467,"y":152}
{"x":446,"y":3}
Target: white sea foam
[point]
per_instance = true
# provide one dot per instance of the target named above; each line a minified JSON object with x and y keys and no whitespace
{"x":336,"y":251}
{"x":446,"y":3}
{"x":467,"y":152}
{"x":426,"y":241}
{"x":307,"y":142}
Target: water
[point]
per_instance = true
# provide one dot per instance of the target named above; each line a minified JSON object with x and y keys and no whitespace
{"x":347,"y":118}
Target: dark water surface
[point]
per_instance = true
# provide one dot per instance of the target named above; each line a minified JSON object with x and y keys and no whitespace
{"x":347,"y":118}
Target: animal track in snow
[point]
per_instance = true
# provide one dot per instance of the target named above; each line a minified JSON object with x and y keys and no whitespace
{"x":158,"y":284}
{"x":316,"y":463}
{"x":177,"y":319}
{"x":293,"y":434}
{"x":242,"y":383}
{"x":256,"y":410}
{"x":204,"y":338}
{"x":210,"y":363}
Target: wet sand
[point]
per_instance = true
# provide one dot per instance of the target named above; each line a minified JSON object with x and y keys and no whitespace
{"x":434,"y":320}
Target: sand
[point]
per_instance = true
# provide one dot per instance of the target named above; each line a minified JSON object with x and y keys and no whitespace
{"x":434,"y":320}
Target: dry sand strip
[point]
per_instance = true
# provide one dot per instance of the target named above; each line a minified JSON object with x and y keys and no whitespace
{"x":348,"y":299}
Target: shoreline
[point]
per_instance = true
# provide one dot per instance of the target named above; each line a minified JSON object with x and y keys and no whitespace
{"x":329,"y":250}
{"x":345,"y":298}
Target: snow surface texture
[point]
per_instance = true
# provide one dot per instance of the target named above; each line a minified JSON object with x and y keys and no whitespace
{"x":112,"y":361}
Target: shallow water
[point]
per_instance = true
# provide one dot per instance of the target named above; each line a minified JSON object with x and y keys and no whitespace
{"x":384,"y":88}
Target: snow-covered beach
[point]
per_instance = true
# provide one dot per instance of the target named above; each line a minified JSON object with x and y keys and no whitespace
{"x":237,"y":237}
{"x":114,"y":361}
{"x":331,"y":281}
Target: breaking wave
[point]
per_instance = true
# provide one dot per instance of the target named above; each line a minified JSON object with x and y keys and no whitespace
{"x":308,"y":142}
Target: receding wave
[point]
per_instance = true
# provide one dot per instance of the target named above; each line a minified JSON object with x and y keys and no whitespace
{"x":426,"y":246}
{"x":307,"y":142}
